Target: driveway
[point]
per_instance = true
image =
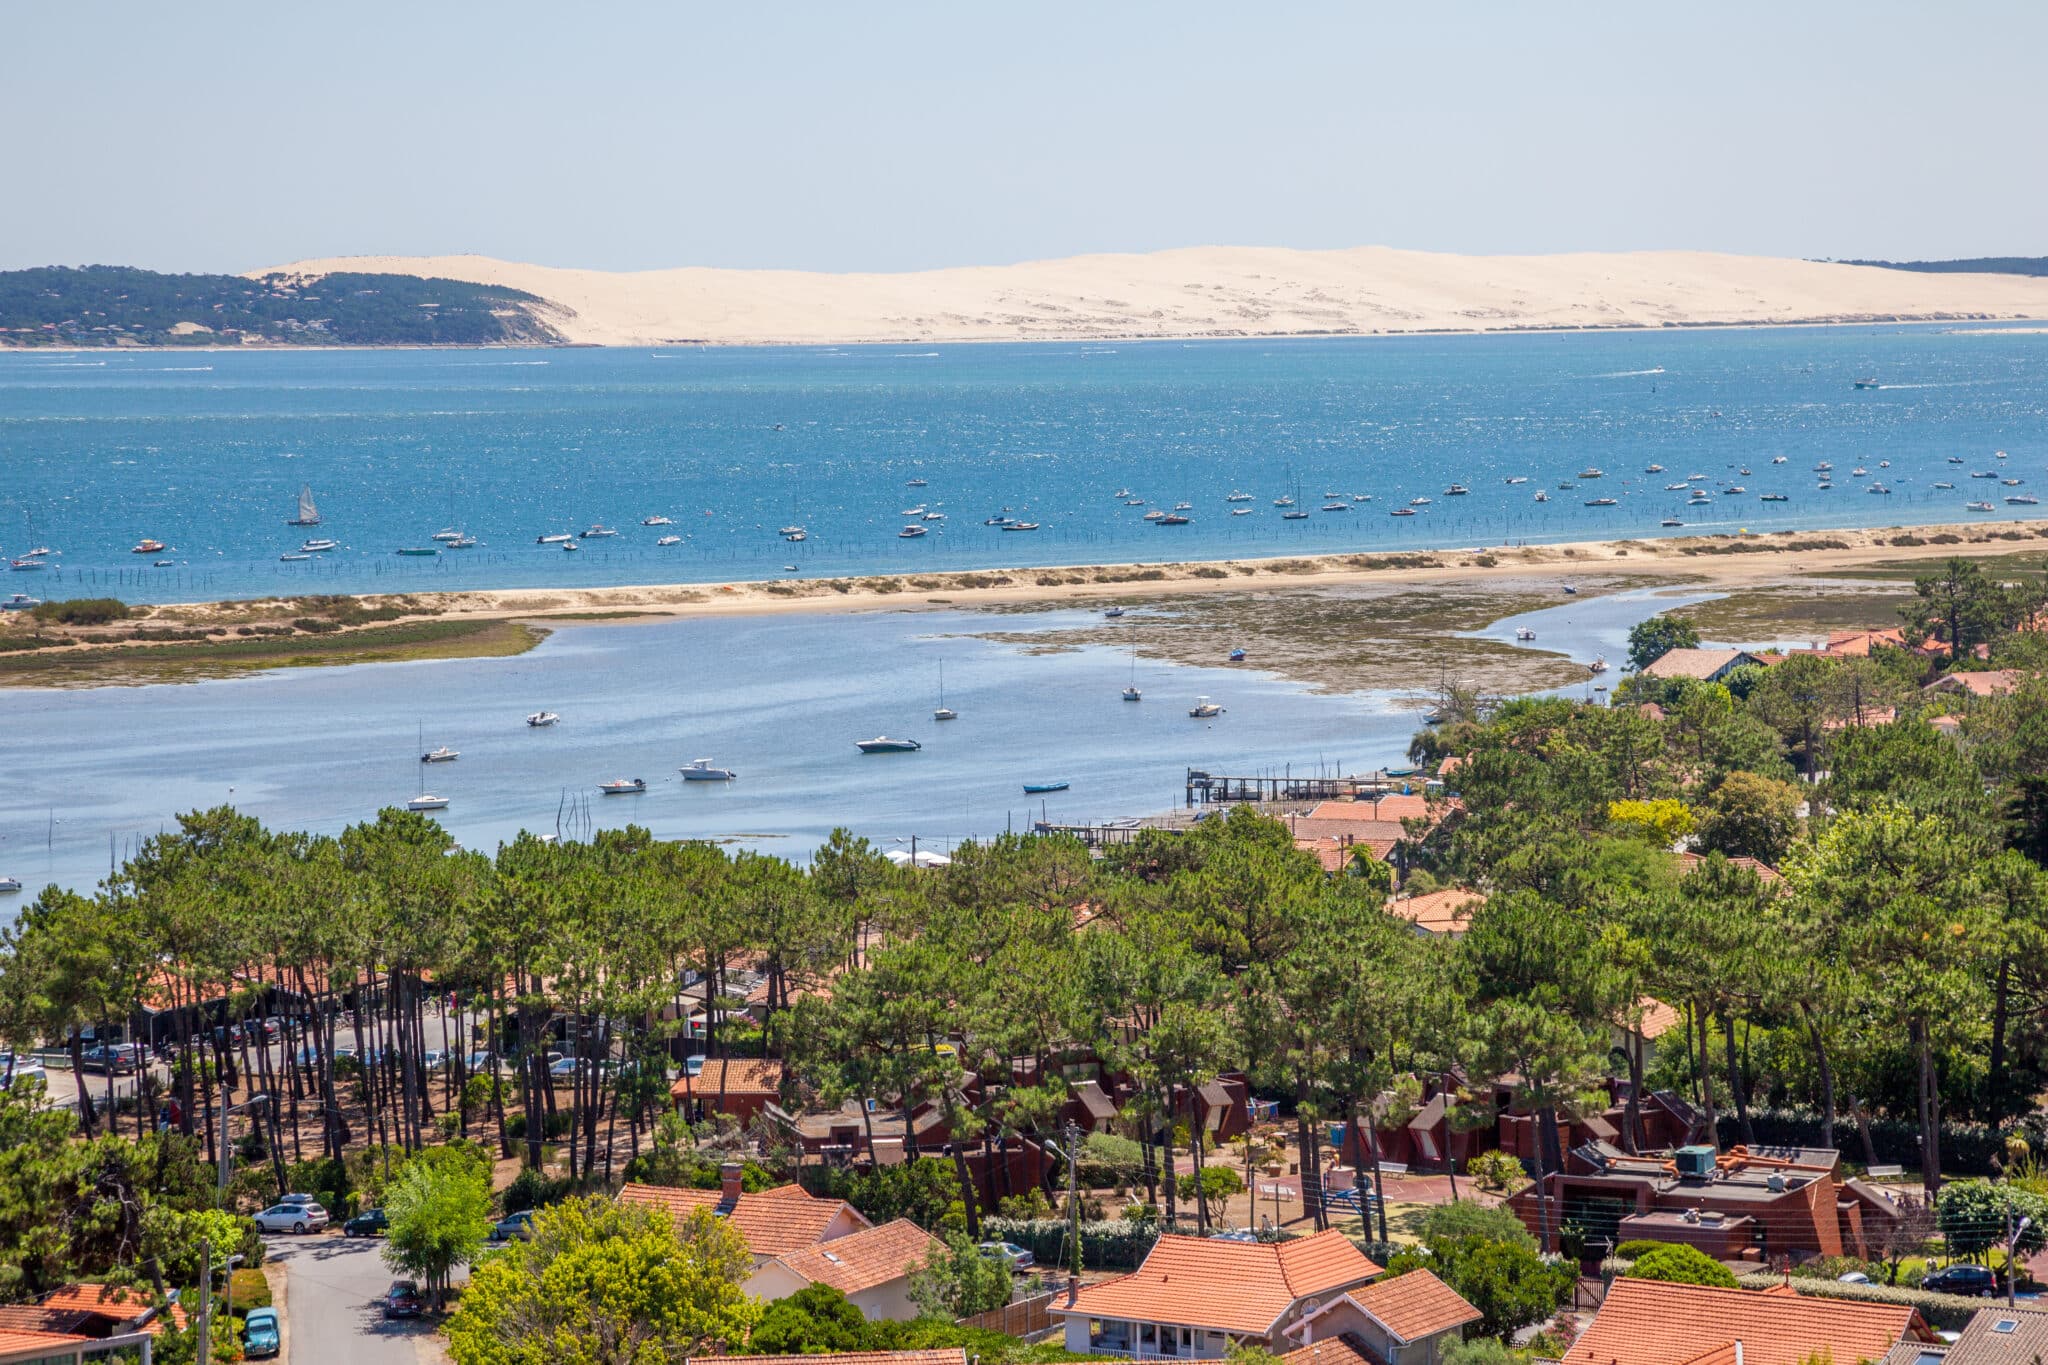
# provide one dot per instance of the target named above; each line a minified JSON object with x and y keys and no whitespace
{"x":332,"y":1310}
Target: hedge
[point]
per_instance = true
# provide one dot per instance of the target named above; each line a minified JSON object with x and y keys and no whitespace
{"x":1949,"y":1312}
{"x":1966,"y":1148}
{"x":252,"y":1289}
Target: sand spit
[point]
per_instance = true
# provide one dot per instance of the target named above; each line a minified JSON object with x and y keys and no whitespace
{"x":1224,"y":292}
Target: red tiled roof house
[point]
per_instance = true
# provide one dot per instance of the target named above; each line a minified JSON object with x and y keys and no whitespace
{"x":1193,"y":1296}
{"x":1405,"y":1320}
{"x":1648,"y":1322}
{"x":871,"y":1267}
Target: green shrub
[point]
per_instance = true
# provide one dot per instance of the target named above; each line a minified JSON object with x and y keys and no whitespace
{"x":1220,"y":1183}
{"x":81,"y":611}
{"x":252,"y":1289}
{"x":1640,"y":1246}
{"x":1105,"y":1245}
{"x":1493,"y":1223}
{"x":1496,"y":1171}
{"x":1677,"y":1264}
{"x":1110,"y":1162}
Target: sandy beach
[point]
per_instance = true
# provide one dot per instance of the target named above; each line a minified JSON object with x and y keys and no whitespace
{"x":1222,"y":291}
{"x":1721,"y":561}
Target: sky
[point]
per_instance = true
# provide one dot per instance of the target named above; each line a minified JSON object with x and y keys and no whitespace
{"x":887,"y":137}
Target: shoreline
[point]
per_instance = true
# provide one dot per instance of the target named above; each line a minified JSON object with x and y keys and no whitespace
{"x":1962,"y":324}
{"x":275,"y":632}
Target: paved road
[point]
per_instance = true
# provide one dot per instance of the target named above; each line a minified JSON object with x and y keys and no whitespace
{"x":332,"y":1313}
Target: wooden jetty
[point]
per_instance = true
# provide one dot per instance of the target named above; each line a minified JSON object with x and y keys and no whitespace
{"x":1206,"y":789}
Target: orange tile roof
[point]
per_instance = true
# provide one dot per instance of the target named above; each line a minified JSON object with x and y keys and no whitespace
{"x":949,"y":1355}
{"x":1648,"y":1322}
{"x":1335,"y":854}
{"x":1858,"y":643}
{"x":1695,"y":663}
{"x":1658,"y":1018}
{"x":1230,"y":1286}
{"x":774,"y":1222}
{"x":1439,"y":912}
{"x":737,"y":1076}
{"x":110,"y":1301}
{"x":1393,"y":806}
{"x":11,"y":1341}
{"x":1988,"y":683}
{"x":864,"y":1259}
{"x":1764,"y":871}
{"x":1341,"y":1350}
{"x":1415,"y":1305}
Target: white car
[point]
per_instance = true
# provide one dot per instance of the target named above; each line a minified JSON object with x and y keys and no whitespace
{"x":13,"y":1068}
{"x":292,"y":1218}
{"x":1017,"y":1256}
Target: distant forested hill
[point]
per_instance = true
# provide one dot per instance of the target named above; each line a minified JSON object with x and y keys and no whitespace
{"x":1975,"y":265}
{"x":107,"y":305}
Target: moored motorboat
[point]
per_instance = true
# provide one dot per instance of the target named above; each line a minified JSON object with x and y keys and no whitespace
{"x":1524,"y":633}
{"x":599,"y":531}
{"x":623,"y":786}
{"x":418,"y":551}
{"x":882,"y":744}
{"x":1113,"y":612}
{"x":1599,"y":665}
{"x":314,"y":547}
{"x":1203,"y":709}
{"x":1237,"y":656}
{"x":541,"y":718}
{"x":9,"y":885}
{"x":427,"y":801}
{"x":294,"y":558}
{"x":657,"y":520}
{"x":702,"y":770}
{"x":444,"y":754}
{"x":149,"y":547}
{"x":1040,"y":788}
{"x":559,"y":538}
{"x":1020,"y":526}
{"x":669,"y":540}
{"x":21,"y":601}
{"x":911,"y":532}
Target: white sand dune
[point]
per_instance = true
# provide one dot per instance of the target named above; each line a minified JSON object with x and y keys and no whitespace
{"x":1225,"y":291}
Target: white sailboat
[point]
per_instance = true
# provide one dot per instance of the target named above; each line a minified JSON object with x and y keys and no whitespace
{"x":1131,"y":693}
{"x":944,"y":712}
{"x":309,"y":514}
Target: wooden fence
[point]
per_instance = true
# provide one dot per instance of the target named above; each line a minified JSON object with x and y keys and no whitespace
{"x":1023,"y":1318}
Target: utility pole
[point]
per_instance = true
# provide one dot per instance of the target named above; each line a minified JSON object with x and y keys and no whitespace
{"x":205,"y":1353}
{"x":1072,"y":1133}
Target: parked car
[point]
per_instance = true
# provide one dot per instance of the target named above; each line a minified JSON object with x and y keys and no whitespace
{"x":1017,"y":1256}
{"x":402,"y":1300}
{"x":512,"y":1225}
{"x":1974,"y":1281}
{"x":368,"y":1223}
{"x":116,"y":1058}
{"x":478,"y":1063}
{"x":259,"y":1333}
{"x":433,"y":1060}
{"x":18,"y":1068}
{"x":562,"y":1068}
{"x":291,"y":1218}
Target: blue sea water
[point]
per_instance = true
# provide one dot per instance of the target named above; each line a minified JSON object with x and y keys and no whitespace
{"x":207,"y":450}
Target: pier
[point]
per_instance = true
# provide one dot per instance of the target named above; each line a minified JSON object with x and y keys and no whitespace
{"x":1209,"y":789}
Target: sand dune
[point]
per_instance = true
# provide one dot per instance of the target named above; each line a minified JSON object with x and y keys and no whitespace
{"x":1224,"y":291}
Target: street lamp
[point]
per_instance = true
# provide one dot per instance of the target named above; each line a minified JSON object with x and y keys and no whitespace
{"x":2012,"y":1246}
{"x":221,"y":1189}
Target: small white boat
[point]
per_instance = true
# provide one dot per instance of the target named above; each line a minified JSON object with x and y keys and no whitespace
{"x":1978,"y":507}
{"x":1123,"y":493}
{"x":1020,"y":526}
{"x":1945,"y":484}
{"x":1113,"y":612}
{"x":562,"y":538}
{"x":657,"y":520}
{"x":913,"y":532}
{"x":1671,"y":521}
{"x":2023,"y":500}
{"x":623,"y":786}
{"x":1133,"y":694}
{"x":541,"y":718}
{"x":1653,"y":469}
{"x":1156,"y":514}
{"x":314,"y":547}
{"x":916,"y":511}
{"x":599,"y":532}
{"x":1780,"y":459}
{"x":1418,"y":502}
{"x":882,"y":744}
{"x":934,"y":516}
{"x":571,"y":546}
{"x":943,"y":711}
{"x":1410,"y":511}
{"x":1456,"y":490}
{"x":1283,"y":501}
{"x":1240,"y":511}
{"x":790,"y":531}
{"x":701,"y":770}
{"x":1524,"y":633}
{"x":149,"y":547}
{"x":1542,"y":495}
{"x":425,"y":801}
{"x":1599,"y":665}
{"x":913,"y":483}
{"x":446,"y":534}
{"x":20,"y":601}
{"x":795,"y":537}
{"x":444,"y":754}
{"x":1238,"y":496}
{"x":1601,"y":502}
{"x":1517,"y":478}
{"x":1189,"y":507}
{"x":1203,"y":709}
{"x":1880,"y":488}
{"x":1571,"y":590}
{"x":294,"y":558}
{"x":669,"y":540}
{"x":9,"y":885}
{"x":1592,"y":474}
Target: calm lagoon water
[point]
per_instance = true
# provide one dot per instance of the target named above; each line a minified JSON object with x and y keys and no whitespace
{"x":207,"y":451}
{"x":780,"y":699}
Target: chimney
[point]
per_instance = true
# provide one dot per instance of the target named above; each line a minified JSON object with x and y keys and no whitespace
{"x":729,"y":1182}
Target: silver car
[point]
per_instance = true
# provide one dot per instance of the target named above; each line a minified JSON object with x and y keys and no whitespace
{"x":292,"y":1218}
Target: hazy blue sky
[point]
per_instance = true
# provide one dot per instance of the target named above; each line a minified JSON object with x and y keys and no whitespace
{"x":874,"y":136}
